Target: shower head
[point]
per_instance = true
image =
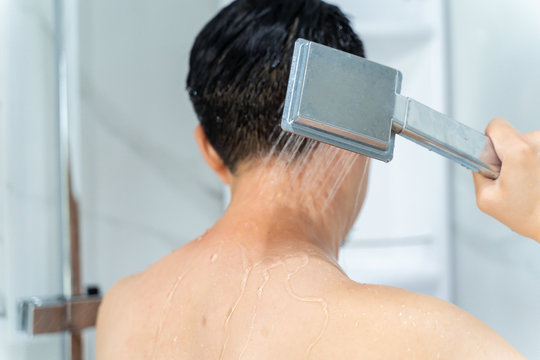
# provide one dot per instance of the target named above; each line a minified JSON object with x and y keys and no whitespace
{"x":347,"y":101}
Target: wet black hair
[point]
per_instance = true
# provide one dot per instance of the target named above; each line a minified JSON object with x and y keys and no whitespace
{"x":239,"y":68}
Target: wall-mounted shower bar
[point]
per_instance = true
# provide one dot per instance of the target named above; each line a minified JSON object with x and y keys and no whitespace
{"x":71,"y":280}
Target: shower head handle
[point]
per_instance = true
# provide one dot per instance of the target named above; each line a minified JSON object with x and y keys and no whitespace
{"x":353,"y":103}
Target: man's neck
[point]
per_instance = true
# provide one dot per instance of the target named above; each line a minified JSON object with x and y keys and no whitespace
{"x":266,"y":220}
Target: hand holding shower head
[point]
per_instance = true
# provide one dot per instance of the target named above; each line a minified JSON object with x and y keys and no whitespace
{"x":347,"y":101}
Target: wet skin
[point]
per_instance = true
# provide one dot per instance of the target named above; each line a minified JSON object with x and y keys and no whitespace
{"x":263,"y":283}
{"x":221,"y":300}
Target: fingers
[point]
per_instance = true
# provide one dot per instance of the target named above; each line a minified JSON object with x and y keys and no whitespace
{"x":510,"y":145}
{"x":534,"y":135}
{"x":514,"y":197}
{"x":533,"y":138}
{"x":502,"y":135}
{"x":499,"y":127}
{"x":497,"y":131}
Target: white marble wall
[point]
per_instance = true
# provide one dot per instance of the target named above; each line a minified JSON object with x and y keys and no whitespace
{"x":144,"y":188}
{"x":496,"y":52}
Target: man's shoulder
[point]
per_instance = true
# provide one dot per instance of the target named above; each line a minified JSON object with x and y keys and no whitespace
{"x":400,"y":309}
{"x":112,"y":320}
{"x":116,"y":299}
{"x":418,"y":325}
{"x":136,"y":290}
{"x":390,"y":298}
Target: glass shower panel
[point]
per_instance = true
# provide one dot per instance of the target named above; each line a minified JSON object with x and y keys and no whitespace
{"x":29,"y":182}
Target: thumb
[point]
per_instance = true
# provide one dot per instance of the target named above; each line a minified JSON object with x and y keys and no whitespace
{"x":503,"y":136}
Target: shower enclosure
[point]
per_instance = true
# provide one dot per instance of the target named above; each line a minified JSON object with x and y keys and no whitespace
{"x":96,"y":145}
{"x":111,"y":75}
{"x":63,"y":314}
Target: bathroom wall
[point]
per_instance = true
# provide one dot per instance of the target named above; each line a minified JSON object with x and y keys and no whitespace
{"x":495,"y":57}
{"x":402,"y":235}
{"x":144,"y":190}
{"x":3,"y":278}
{"x":2,"y":241}
{"x":29,"y":225}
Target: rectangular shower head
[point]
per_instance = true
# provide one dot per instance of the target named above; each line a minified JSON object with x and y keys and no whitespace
{"x":347,"y":101}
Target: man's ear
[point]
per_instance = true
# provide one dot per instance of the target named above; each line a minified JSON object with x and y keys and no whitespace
{"x":210,"y":155}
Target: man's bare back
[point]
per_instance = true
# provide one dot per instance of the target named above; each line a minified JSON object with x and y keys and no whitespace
{"x":263,"y":282}
{"x":219,"y":298}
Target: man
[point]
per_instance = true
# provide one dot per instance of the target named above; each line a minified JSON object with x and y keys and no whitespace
{"x":263,"y":282}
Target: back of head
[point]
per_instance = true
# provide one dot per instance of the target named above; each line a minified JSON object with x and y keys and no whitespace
{"x":239,"y":70}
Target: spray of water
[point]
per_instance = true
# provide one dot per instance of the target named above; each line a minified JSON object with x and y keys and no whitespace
{"x":310,"y":175}
{"x":307,"y":173}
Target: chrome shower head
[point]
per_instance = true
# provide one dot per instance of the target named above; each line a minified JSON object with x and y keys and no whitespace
{"x":353,"y":103}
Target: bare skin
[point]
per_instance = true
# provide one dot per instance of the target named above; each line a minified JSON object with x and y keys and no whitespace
{"x":514,"y":198}
{"x":263,"y":283}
